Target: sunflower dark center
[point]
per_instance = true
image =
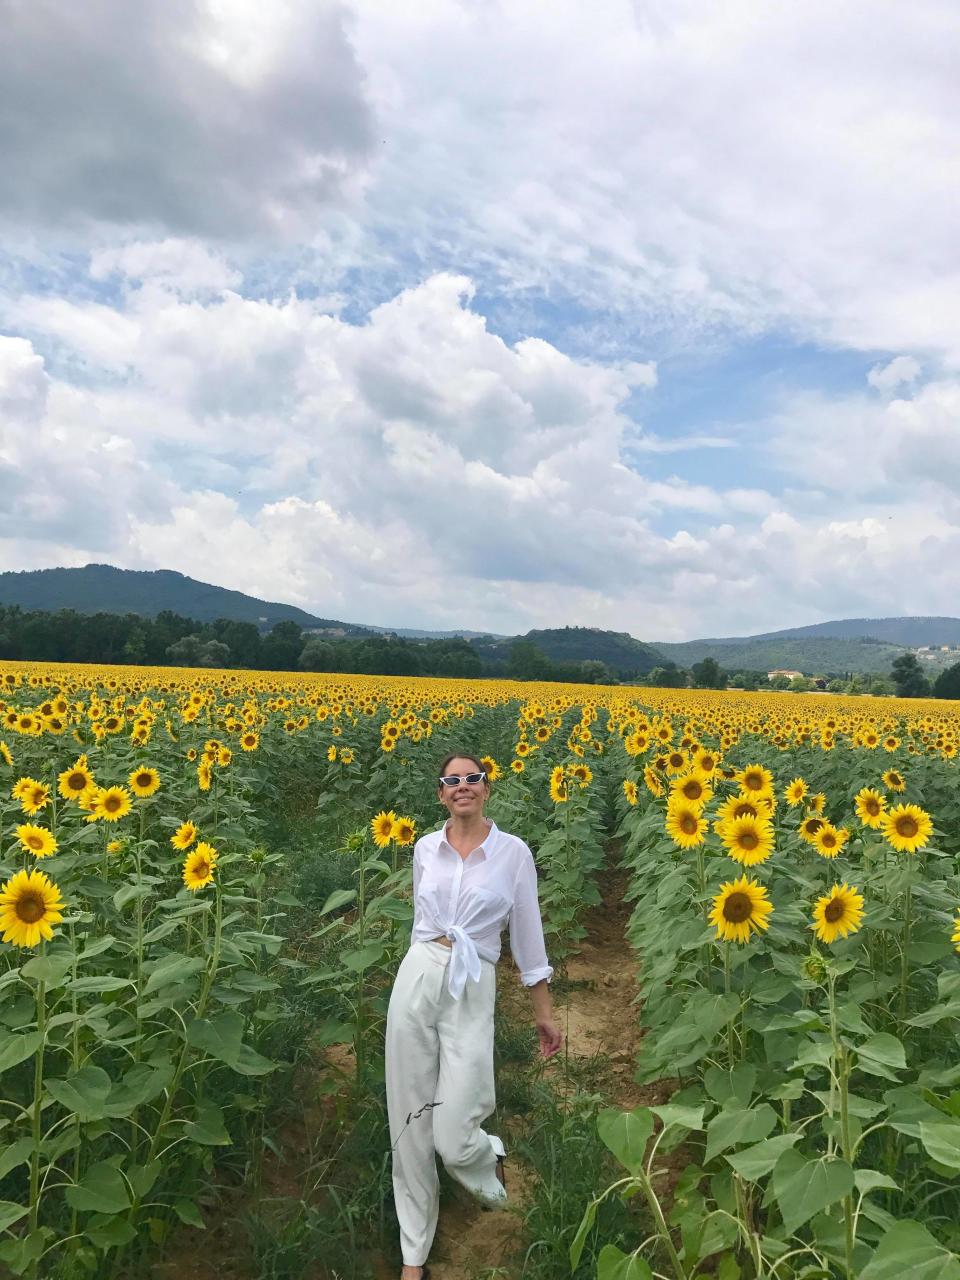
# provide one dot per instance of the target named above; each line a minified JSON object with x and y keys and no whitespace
{"x":745,"y":811}
{"x":907,"y":826}
{"x":834,"y":910}
{"x":112,"y":803}
{"x":749,"y":840}
{"x":30,"y":908}
{"x":753,"y":782}
{"x":688,"y":824}
{"x":828,"y":839}
{"x":737,"y":908}
{"x":201,"y":867}
{"x":693,"y":790}
{"x":813,"y":825}
{"x":872,"y":807}
{"x":35,"y":842}
{"x":144,"y":779}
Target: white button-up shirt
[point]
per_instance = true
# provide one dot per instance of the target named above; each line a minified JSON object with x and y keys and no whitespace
{"x":469,"y":900}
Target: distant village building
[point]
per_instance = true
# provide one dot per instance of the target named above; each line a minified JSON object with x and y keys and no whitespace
{"x":790,"y":675}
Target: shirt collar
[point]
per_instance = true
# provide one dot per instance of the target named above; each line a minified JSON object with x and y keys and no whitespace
{"x":486,"y":845}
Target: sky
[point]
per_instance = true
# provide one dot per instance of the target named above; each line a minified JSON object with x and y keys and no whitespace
{"x":488,"y":315}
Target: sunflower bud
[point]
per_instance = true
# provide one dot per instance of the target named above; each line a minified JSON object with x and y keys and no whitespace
{"x":813,"y":967}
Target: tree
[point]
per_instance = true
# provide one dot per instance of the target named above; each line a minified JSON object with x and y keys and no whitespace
{"x":281,"y":649}
{"x":593,"y":671}
{"x":707,"y":674}
{"x":800,"y":684}
{"x":316,"y":655}
{"x":908,"y":677}
{"x":668,"y":677}
{"x":947,"y":683}
{"x":527,"y":662}
{"x":780,"y":682}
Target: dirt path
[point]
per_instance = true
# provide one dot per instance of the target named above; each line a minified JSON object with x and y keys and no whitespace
{"x":599,"y":1016}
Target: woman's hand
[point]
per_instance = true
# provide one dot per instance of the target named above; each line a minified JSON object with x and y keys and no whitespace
{"x":551,"y":1037}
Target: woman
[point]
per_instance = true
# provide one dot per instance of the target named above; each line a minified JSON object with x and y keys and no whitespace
{"x":469,"y":879}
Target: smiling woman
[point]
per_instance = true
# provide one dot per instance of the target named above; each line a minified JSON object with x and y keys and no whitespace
{"x":469,"y":878}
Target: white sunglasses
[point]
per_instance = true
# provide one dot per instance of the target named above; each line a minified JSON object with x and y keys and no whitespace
{"x":451,"y":779}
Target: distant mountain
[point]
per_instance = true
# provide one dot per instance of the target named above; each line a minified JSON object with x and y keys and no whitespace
{"x":865,"y":645}
{"x":623,"y":654}
{"x":100,"y":588}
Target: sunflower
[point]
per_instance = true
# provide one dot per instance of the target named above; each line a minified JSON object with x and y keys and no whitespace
{"x":250,"y":741}
{"x":382,"y":828}
{"x":111,"y":804}
{"x":795,"y":792}
{"x":581,"y":773}
{"x":838,"y":913}
{"x":955,"y":936}
{"x":144,"y":781}
{"x":346,"y":755}
{"x":870,"y":806}
{"x":893,"y":781}
{"x":558,"y":785}
{"x":6,"y":755}
{"x":706,"y":762}
{"x":33,"y":795}
{"x":755,"y":780}
{"x":686,"y":825}
{"x":747,"y":840}
{"x":739,"y":909}
{"x":651,"y":780}
{"x":677,"y":762}
{"x":737,"y":807}
{"x":37,"y":840}
{"x":829,"y":840}
{"x":817,"y":802}
{"x":199,"y":866}
{"x":692,"y":787}
{"x":907,"y":827}
{"x":184,"y":836}
{"x":404,"y":831}
{"x":809,"y":827}
{"x":630,"y":791}
{"x":73,"y":782}
{"x":29,"y":904}
{"x":331,"y":753}
{"x":204,"y":775}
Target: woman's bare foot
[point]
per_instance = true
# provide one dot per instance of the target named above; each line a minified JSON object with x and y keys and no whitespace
{"x":411,"y":1273}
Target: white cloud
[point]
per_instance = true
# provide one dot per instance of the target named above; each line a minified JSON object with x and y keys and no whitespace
{"x":887,"y":377}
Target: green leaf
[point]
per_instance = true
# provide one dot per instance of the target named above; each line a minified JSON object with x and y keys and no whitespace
{"x":222,"y":1038}
{"x":106,"y":1233}
{"x":171,"y":970}
{"x":49,"y":969}
{"x":614,"y":1264}
{"x":11,"y":1212}
{"x":84,"y":1092}
{"x":208,"y":1129}
{"x":100,"y":1190}
{"x":942,"y":1142}
{"x":802,"y":1187}
{"x":98,"y":985}
{"x":681,"y":1117}
{"x":727,"y":1086}
{"x":908,"y":1249}
{"x":579,"y":1240}
{"x":16,"y":1154}
{"x":339,"y":898}
{"x":881,"y":1052}
{"x":755,"y":1162}
{"x":364,"y":957}
{"x":734,"y":1128}
{"x":16,"y":1049}
{"x":140,"y":1084}
{"x":188,"y":1212}
{"x":626,"y":1133}
{"x":868,"y":1180}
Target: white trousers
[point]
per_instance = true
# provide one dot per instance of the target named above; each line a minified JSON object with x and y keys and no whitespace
{"x":439,"y":1051}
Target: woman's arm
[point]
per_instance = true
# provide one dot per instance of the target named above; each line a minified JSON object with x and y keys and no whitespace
{"x":550,"y":1035}
{"x":530,"y":954}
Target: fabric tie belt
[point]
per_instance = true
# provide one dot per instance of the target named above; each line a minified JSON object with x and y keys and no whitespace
{"x":464,"y":961}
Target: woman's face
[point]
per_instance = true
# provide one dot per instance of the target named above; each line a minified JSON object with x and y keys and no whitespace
{"x":466,"y":800}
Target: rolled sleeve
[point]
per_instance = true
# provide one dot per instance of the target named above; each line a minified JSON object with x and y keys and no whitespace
{"x":526,"y":927}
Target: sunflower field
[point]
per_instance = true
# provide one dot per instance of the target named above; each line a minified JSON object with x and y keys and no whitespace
{"x":205,"y":885}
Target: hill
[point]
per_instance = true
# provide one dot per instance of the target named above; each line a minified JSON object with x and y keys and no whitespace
{"x":624,"y":655}
{"x":912,"y":632}
{"x":100,"y":588}
{"x":813,"y":657}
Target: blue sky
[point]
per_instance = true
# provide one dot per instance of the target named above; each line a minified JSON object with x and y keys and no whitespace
{"x":490,"y":315}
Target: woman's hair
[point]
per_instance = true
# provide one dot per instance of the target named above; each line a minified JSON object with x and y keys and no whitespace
{"x":461,"y":755}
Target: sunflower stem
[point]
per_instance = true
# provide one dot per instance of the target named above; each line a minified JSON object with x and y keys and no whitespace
{"x":35,"y":1117}
{"x":905,"y":953}
{"x":727,"y":984}
{"x":841,"y":1073}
